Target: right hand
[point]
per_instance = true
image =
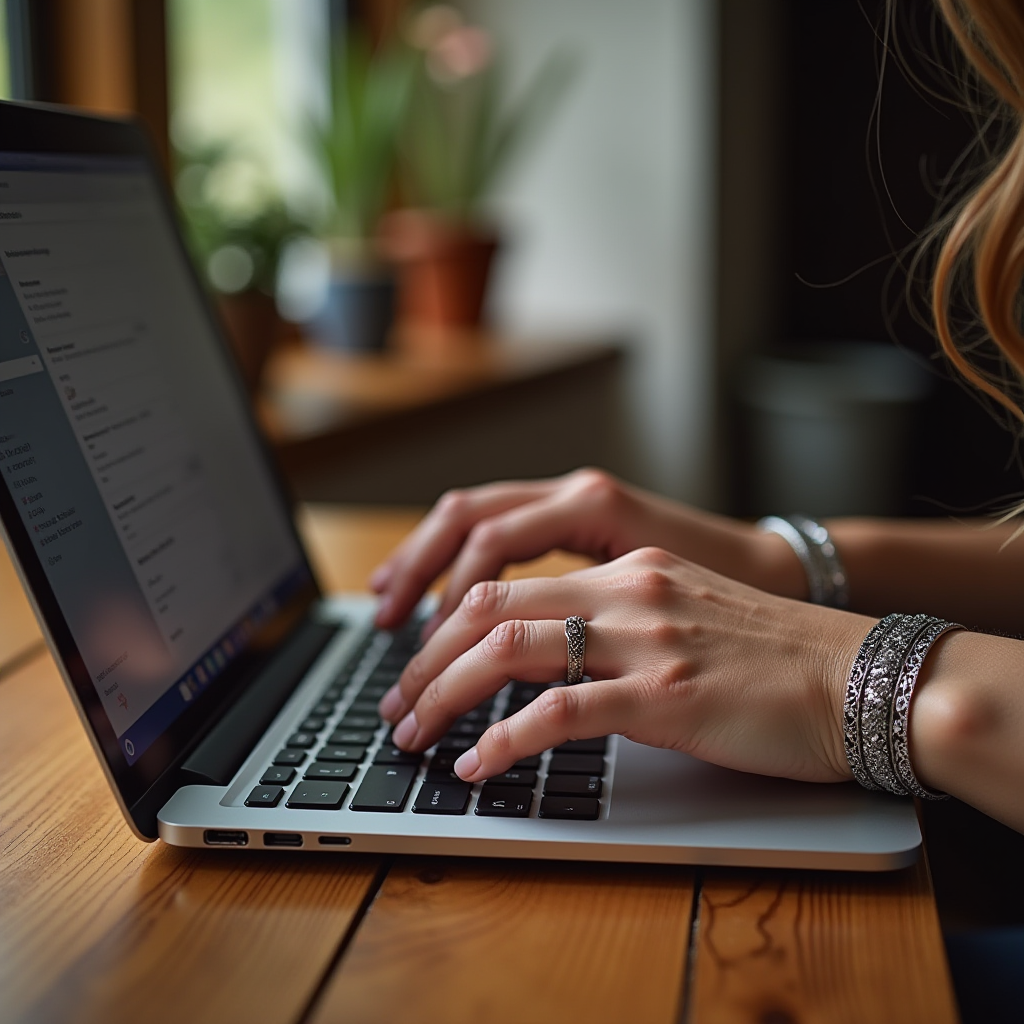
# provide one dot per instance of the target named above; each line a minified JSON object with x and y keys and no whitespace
{"x":478,"y":531}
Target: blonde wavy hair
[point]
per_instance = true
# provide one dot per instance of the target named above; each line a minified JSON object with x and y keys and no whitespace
{"x":981,"y":258}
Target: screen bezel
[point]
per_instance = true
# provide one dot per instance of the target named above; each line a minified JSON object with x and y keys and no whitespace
{"x":31,"y":128}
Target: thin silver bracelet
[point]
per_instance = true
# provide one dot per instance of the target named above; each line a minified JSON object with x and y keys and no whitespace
{"x":812,"y":545}
{"x":876,"y":707}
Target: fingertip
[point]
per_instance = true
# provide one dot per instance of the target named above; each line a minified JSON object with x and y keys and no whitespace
{"x":385,"y":615}
{"x":392,"y":704}
{"x":467,"y":767}
{"x":380,"y":577}
{"x":430,"y":627}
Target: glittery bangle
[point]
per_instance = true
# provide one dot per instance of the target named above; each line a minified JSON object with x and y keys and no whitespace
{"x":812,"y":545}
{"x":802,"y":549}
{"x":899,"y":733}
{"x":877,"y":697}
{"x":854,"y":695}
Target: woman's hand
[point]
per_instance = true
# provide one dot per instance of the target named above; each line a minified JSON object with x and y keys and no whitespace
{"x":680,"y":657}
{"x":478,"y":532}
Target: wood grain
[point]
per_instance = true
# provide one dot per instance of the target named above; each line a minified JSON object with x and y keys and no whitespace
{"x":19,"y":631}
{"x":820,"y":948}
{"x":96,"y":925}
{"x":516,"y":942}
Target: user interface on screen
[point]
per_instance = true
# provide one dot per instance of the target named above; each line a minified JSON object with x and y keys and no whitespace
{"x":124,"y":447}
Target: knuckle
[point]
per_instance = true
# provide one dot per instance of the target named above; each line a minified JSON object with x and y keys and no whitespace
{"x":651,"y":586}
{"x":666,"y":635}
{"x":595,"y":483}
{"x":559,"y":706}
{"x":484,"y":599}
{"x":508,"y":640}
{"x":656,"y":558}
{"x":414,"y":677}
{"x":485,"y":535}
{"x":499,"y":736}
{"x":437,"y":703}
{"x":452,"y":503}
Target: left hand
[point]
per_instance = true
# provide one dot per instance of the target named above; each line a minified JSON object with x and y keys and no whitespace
{"x":680,"y":657}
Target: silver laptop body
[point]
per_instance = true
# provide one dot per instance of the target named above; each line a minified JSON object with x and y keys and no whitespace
{"x":230,"y":704}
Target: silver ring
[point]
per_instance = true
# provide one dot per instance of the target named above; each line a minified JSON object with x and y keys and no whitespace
{"x":576,"y":644}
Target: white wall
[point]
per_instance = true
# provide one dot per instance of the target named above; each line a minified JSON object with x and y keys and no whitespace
{"x":612,"y":212}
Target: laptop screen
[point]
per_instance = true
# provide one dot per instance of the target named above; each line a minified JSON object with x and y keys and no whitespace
{"x":125,"y":447}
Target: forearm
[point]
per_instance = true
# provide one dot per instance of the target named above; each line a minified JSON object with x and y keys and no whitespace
{"x":967,"y":723}
{"x":966,"y":572}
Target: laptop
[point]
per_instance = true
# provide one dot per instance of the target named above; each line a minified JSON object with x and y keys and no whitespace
{"x":230,"y":703}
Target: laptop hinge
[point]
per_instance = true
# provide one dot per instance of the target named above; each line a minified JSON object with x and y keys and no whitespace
{"x":217,"y":758}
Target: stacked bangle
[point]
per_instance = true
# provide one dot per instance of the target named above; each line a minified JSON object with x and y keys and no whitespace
{"x":876,"y":709}
{"x":810,"y":541}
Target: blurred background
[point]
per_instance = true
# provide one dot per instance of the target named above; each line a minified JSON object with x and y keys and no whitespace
{"x":454,"y":242}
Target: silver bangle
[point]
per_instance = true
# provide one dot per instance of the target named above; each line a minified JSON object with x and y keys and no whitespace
{"x":900,"y":729}
{"x":812,"y":545}
{"x":876,"y":707}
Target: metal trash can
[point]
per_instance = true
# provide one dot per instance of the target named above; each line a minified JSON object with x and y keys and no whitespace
{"x":830,"y":427}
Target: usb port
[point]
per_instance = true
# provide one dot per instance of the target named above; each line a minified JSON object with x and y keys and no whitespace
{"x":282,"y":839}
{"x":334,"y":841}
{"x":225,"y":837}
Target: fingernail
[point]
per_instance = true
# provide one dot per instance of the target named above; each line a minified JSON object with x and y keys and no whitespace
{"x":430,"y":626}
{"x":391,"y":704}
{"x":468,"y":765}
{"x":405,"y":731}
{"x":379,"y":579}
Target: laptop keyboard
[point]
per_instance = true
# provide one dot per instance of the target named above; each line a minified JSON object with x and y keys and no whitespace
{"x":336,"y":760}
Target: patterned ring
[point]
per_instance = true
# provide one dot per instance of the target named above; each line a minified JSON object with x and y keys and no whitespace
{"x":576,"y":644}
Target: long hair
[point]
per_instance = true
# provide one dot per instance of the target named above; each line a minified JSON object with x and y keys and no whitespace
{"x":982,"y":254}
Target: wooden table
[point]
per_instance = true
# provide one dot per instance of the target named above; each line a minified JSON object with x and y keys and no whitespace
{"x":97,"y":926}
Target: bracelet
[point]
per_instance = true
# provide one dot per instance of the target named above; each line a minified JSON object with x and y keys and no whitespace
{"x":876,"y":707}
{"x":810,"y":541}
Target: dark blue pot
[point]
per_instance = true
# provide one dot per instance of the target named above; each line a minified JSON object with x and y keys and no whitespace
{"x":358,"y":313}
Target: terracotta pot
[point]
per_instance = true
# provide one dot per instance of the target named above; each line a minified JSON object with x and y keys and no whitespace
{"x":444,"y":267}
{"x":253,"y":328}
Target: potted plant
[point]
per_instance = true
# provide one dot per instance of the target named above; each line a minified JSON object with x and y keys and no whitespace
{"x":356,"y":146}
{"x":459,"y":138}
{"x":237,"y":228}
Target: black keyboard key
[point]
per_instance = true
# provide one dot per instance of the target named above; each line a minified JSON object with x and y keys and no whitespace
{"x":525,"y":693}
{"x":359,"y":722}
{"x":393,"y":755}
{"x":373,"y":692}
{"x":480,"y":715}
{"x":318,"y":795}
{"x":313,"y":724}
{"x":264,"y":796}
{"x":324,"y":708}
{"x":350,"y":738}
{"x":336,"y":752}
{"x":571,"y":808}
{"x":363,"y":707}
{"x":442,"y":798}
{"x":576,"y":764}
{"x":277,"y":776}
{"x":598,"y":745}
{"x":504,"y":802}
{"x":441,"y":775}
{"x":514,"y":777}
{"x":384,"y":788}
{"x":302,"y":740}
{"x":342,"y":771}
{"x":533,"y":761}
{"x":471,"y":730}
{"x":332,"y":695}
{"x":455,"y":744}
{"x":572,"y":785}
{"x":290,"y":757}
{"x":443,"y":762}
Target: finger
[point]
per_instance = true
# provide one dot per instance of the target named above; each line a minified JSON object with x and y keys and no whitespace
{"x":485,"y":606}
{"x":559,"y":714}
{"x":533,"y":651}
{"x":518,"y":535}
{"x":420,"y":559}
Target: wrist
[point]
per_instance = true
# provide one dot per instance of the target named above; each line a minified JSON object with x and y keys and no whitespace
{"x":775,"y":567}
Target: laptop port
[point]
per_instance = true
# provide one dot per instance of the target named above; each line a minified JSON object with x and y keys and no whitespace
{"x":225,"y":837}
{"x":282,"y":839}
{"x":334,"y":841}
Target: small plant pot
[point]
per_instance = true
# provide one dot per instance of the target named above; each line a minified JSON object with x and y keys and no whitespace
{"x":444,"y":268}
{"x":358,"y":313}
{"x":253,"y":328}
